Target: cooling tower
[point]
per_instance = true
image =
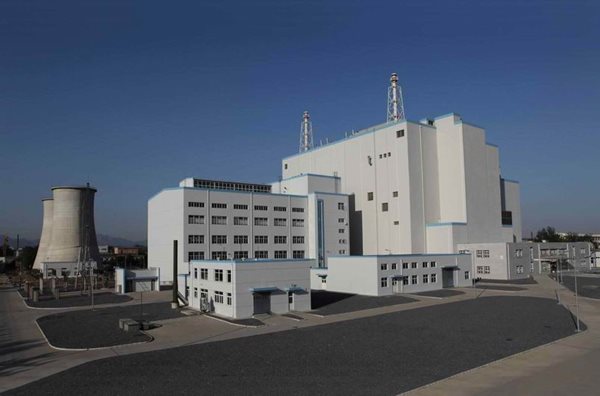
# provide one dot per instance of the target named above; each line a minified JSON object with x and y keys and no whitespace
{"x":46,"y":237}
{"x":72,"y":225}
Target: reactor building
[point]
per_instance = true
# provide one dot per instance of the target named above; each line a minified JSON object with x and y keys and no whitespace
{"x":68,"y":242}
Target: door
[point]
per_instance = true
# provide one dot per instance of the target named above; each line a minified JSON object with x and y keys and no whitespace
{"x":397,"y":285}
{"x":290,"y":301}
{"x":262,"y":303}
{"x":447,"y":277}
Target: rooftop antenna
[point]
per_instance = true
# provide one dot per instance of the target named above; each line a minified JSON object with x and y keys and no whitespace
{"x":395,"y":105}
{"x":306,"y":135}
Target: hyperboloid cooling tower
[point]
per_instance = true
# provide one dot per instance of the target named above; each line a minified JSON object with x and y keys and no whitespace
{"x":46,"y":233}
{"x":68,"y":227}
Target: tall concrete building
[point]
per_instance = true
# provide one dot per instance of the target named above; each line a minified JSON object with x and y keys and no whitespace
{"x":418,"y":187}
{"x":68,"y":232}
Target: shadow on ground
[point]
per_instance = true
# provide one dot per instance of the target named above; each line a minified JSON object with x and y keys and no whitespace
{"x":331,"y":303}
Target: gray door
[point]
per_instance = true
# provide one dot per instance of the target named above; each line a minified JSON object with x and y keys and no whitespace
{"x":262,"y":303}
{"x":447,"y":277}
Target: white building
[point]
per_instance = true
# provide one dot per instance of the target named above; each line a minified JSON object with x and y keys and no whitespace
{"x":418,"y":187}
{"x":242,"y":288}
{"x":136,"y":280}
{"x":218,"y":220}
{"x":520,"y":260}
{"x":384,"y":275}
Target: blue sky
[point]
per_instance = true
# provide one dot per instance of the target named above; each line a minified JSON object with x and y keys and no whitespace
{"x":134,"y":96}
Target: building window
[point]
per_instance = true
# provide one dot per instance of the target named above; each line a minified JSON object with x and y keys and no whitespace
{"x":343,"y":251}
{"x":432,"y":264}
{"x":195,"y":219}
{"x":384,"y":207}
{"x":414,"y":279}
{"x":297,"y":222}
{"x":340,"y":205}
{"x":369,"y":196}
{"x":279,"y":222}
{"x":222,"y":255}
{"x":395,"y":194}
{"x":279,"y":208}
{"x":204,"y":273}
{"x":240,"y":254}
{"x":298,"y":254}
{"x":228,"y":298}
{"x":479,"y":253}
{"x":195,"y":292}
{"x":260,"y":207}
{"x":298,"y":239}
{"x":240,"y":221}
{"x":384,"y":282}
{"x":342,"y":241}
{"x":486,"y":254}
{"x":424,"y":264}
{"x":486,"y":269}
{"x":298,"y":210}
{"x":195,"y":204}
{"x":261,"y":221}
{"x":280,"y":239}
{"x":341,"y":220}
{"x":218,"y":275}
{"x":480,"y":269}
{"x":341,"y":231}
{"x":400,"y":133}
{"x":240,"y":239}
{"x":394,"y":266}
{"x":425,"y":278}
{"x":384,"y":266}
{"x":219,"y":220}
{"x":285,"y":166}
{"x":196,"y":274}
{"x":216,"y":205}
{"x":261,"y":239}
{"x":261,"y":254}
{"x":404,"y":265}
{"x":467,"y":275}
{"x":323,"y":281}
{"x":433,"y":278}
{"x":240,"y":206}
{"x":195,"y":239}
{"x":405,"y":280}
{"x":195,"y":256}
{"x":228,"y":276}
{"x":219,"y":239}
{"x":219,"y":297}
{"x":280,"y":254}
{"x":413,"y":265}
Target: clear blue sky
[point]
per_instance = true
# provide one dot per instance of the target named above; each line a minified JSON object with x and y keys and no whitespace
{"x":134,"y":96}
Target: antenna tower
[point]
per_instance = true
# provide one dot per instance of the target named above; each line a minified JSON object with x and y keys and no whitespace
{"x":306,"y":135}
{"x":395,"y":105}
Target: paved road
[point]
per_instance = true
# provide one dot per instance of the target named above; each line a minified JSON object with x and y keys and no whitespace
{"x":330,"y":303}
{"x":80,"y":301}
{"x":383,"y":354}
{"x":587,"y":285}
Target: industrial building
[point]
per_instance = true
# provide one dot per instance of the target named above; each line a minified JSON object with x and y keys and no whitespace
{"x":394,"y":208}
{"x":218,"y":220}
{"x":242,"y":288}
{"x":68,"y":240}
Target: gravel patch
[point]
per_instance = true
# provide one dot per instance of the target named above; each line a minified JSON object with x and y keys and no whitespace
{"x":442,"y":293}
{"x":100,"y":327}
{"x":331,"y":303}
{"x":79,"y":301}
{"x":380,"y":355}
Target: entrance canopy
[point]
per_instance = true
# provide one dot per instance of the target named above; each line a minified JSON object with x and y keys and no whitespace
{"x":267,"y":289}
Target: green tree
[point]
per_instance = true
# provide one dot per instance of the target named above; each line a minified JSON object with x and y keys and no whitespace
{"x":547,"y":234}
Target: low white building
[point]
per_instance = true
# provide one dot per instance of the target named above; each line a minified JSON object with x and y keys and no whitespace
{"x":136,"y":280}
{"x":520,"y":260}
{"x":384,"y":275}
{"x":242,"y":288}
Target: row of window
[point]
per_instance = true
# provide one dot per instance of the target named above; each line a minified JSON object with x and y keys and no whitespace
{"x":243,"y":254}
{"x":217,"y":274}
{"x":243,"y":239}
{"x":258,"y":221}
{"x":414,"y":264}
{"x":216,"y":205}
{"x":483,"y":269}
{"x":218,"y":296}
{"x":370,"y":197}
{"x":482,"y":253}
{"x":414,"y":279}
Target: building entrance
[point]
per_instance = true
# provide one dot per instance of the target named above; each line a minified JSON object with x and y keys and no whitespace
{"x":262,"y":303}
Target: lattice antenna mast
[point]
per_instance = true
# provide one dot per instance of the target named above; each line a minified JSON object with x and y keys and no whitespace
{"x":395,"y":105}
{"x":306,"y":135}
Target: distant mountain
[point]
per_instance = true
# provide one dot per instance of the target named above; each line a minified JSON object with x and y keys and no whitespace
{"x":116,"y":241}
{"x":12,"y":242}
